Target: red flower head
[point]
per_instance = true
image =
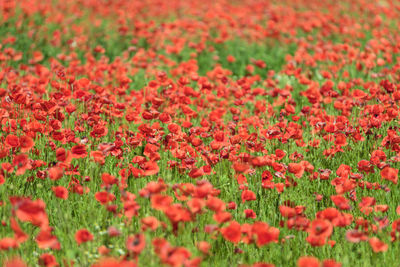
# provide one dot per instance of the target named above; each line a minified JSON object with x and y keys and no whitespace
{"x":136,"y":243}
{"x":297,"y":169}
{"x":83,"y":236}
{"x":79,"y":151}
{"x":26,"y":143}
{"x":308,"y":261}
{"x":232,"y":232}
{"x":377,"y":245}
{"x":60,"y":192}
{"x":47,"y":260}
{"x":389,"y":173}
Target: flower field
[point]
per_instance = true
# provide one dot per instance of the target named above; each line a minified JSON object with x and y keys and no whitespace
{"x":199,"y":133}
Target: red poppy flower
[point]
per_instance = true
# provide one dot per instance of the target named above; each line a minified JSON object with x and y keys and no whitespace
{"x":341,"y":202}
{"x":240,"y":167}
{"x":61,"y":154}
{"x":26,"y":143}
{"x":222,"y":216}
{"x":21,"y":161}
{"x":111,"y":262}
{"x":287,"y":212}
{"x":79,"y":151}
{"x":103,"y":250}
{"x":308,"y":261}
{"x":340,"y":139}
{"x":19,"y":235}
{"x":83,"y":236}
{"x":150,"y":168}
{"x":15,"y":262}
{"x":31,"y":211}
{"x":161,"y":202}
{"x":60,"y":192}
{"x":104,"y":197}
{"x":262,"y":264}
{"x":7,"y":243}
{"x":136,"y":243}
{"x":112,"y":231}
{"x":249,"y":213}
{"x":47,"y":260}
{"x":232,"y":232}
{"x":55,"y":173}
{"x":108,"y":179}
{"x":150,"y":222}
{"x":12,"y":141}
{"x":355,"y":236}
{"x":98,"y":157}
{"x":331,"y":263}
{"x":248,"y":195}
{"x":215,"y":204}
{"x":297,"y":169}
{"x":204,"y":247}
{"x":320,"y":227}
{"x":265,"y":234}
{"x":196,"y":205}
{"x":45,"y":239}
{"x":377,"y":245}
{"x":390,"y":174}
{"x":319,"y":231}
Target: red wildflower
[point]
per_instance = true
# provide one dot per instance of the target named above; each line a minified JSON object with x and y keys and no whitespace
{"x":222,"y":216}
{"x":98,"y":157}
{"x":232,"y":232}
{"x":108,"y":179}
{"x":136,"y":243}
{"x":215,"y":204}
{"x":31,"y":211}
{"x":297,"y":169}
{"x":150,"y":168}
{"x":287,"y":212}
{"x":204,"y":247}
{"x":15,"y":262}
{"x":79,"y":151}
{"x":111,"y":262}
{"x":355,"y":236}
{"x":12,"y":141}
{"x":248,"y":195}
{"x":390,"y":174}
{"x":83,"y":236}
{"x":47,"y":260}
{"x":21,"y":161}
{"x":240,"y":167}
{"x":26,"y":143}
{"x":8,"y":243}
{"x":45,"y":239}
{"x":60,"y":192}
{"x":150,"y":222}
{"x":161,"y":202}
{"x":377,"y":245}
{"x":19,"y":235}
{"x":55,"y":173}
{"x":308,"y":261}
{"x":104,"y":197}
{"x":319,"y":231}
{"x":341,"y":202}
{"x":331,"y":263}
{"x":265,"y":234}
{"x":249,"y":213}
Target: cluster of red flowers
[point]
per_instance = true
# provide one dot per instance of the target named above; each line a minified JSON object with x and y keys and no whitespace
{"x":169,"y":104}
